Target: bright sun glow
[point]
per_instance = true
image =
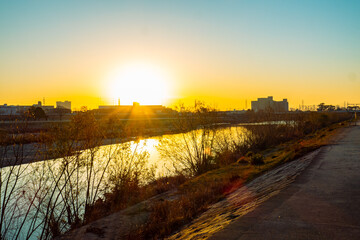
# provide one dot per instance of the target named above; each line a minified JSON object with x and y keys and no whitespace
{"x":139,"y":82}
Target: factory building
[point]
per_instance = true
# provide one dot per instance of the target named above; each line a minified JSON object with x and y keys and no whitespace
{"x":269,"y":105}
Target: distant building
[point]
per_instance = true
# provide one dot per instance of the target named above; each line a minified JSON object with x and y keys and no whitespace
{"x":18,"y":110}
{"x":136,"y":109}
{"x":47,"y":109}
{"x":8,"y":110}
{"x":268,"y":104}
{"x":64,"y":105}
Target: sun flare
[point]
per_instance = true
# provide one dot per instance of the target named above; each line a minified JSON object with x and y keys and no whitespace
{"x":139,"y":82}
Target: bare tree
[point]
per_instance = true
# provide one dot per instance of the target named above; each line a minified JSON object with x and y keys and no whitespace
{"x":192,"y":151}
{"x":46,"y":198}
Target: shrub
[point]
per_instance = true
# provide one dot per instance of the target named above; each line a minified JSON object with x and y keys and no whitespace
{"x":193,"y":150}
{"x":257,"y":159}
{"x":168,"y":215}
{"x":249,"y":154}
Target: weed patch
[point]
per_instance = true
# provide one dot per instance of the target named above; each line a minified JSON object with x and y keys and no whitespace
{"x":199,"y":192}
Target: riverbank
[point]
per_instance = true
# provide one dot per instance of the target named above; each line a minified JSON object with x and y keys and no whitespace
{"x":162,"y":215}
{"x":39,"y":151}
{"x":322,"y":203}
{"x":95,"y":183}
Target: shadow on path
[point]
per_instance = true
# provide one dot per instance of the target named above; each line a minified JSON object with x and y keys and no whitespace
{"x":322,"y":203}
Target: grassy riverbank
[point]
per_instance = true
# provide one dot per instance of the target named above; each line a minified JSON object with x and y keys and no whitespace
{"x":85,"y":185}
{"x":198,"y":193}
{"x":212,"y":166}
{"x":264,"y":148}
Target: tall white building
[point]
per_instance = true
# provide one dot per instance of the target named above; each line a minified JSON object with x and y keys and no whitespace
{"x":268,"y":104}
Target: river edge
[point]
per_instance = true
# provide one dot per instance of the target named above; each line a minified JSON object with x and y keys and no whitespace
{"x":119,"y":224}
{"x":33,"y":152}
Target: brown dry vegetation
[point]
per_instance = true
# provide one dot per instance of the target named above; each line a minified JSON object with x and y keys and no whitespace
{"x":81,"y":189}
{"x":236,"y":162}
{"x":271,"y":146}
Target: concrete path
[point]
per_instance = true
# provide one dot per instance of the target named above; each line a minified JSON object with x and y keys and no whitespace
{"x":322,"y":203}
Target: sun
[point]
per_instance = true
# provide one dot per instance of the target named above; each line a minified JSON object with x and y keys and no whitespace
{"x":144,"y":83}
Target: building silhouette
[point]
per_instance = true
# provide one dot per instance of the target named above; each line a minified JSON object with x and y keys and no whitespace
{"x":17,"y":110}
{"x":135,"y":110}
{"x":269,"y":105}
{"x":64,"y":105}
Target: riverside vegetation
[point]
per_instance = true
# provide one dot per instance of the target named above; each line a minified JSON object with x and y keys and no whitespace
{"x":218,"y":164}
{"x":84,"y":183}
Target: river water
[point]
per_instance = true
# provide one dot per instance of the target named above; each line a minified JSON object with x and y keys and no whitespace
{"x":36,"y":184}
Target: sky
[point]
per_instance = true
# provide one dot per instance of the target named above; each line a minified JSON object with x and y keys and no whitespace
{"x":226,"y":53}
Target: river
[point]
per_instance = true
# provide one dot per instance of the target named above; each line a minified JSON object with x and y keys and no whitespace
{"x":27,"y":189}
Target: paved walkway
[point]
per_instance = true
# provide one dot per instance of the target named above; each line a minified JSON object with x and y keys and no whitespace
{"x":322,"y":203}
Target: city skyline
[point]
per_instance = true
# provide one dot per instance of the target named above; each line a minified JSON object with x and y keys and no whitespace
{"x":226,"y":53}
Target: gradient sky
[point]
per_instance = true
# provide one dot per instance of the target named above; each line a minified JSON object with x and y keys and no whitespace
{"x":224,"y":52}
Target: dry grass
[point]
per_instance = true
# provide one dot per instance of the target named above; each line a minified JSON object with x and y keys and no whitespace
{"x":116,"y":201}
{"x":168,"y":216}
{"x":198,"y":193}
